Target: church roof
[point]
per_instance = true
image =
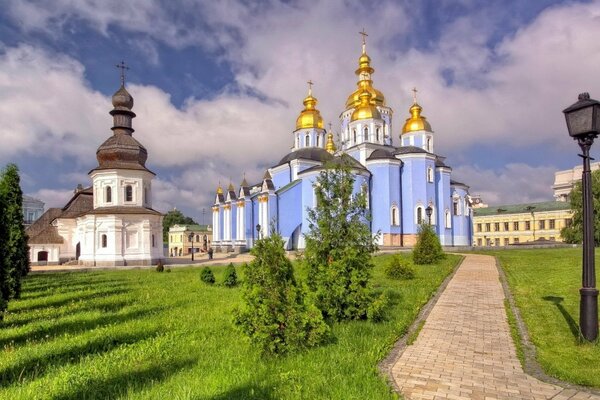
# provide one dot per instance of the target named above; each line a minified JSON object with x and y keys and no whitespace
{"x":439,"y":162}
{"x":456,"y":183}
{"x":308,"y":153}
{"x":123,"y":210}
{"x":42,"y":231}
{"x":81,"y":202}
{"x":387,"y":153}
{"x":342,"y":159}
{"x":410,"y":150}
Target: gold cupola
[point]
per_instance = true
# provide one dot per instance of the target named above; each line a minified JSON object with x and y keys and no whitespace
{"x":364,"y":73}
{"x":416,"y":122}
{"x":310,"y":117}
{"x":219,"y":189}
{"x":330,"y":145}
{"x":365,"y":109}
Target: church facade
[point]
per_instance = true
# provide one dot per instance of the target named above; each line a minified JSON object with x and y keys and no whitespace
{"x":111,"y":223}
{"x":406,"y":185}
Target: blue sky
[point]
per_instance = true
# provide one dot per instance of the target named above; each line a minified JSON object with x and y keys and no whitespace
{"x":218,"y":85}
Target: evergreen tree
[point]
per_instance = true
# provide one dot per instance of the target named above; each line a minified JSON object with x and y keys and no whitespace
{"x":276,"y":316}
{"x":16,"y":256}
{"x":4,"y":280}
{"x":574,"y":232}
{"x":174,"y":217}
{"x":428,"y":249}
{"x":339,"y":245}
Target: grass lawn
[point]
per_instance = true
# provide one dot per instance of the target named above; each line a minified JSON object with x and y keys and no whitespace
{"x":545,"y":284}
{"x":139,"y":334}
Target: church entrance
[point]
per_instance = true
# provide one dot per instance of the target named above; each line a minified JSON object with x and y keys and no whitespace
{"x":42,"y":256}
{"x":78,"y":250}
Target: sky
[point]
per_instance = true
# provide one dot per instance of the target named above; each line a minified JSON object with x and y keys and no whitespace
{"x":218,"y":85}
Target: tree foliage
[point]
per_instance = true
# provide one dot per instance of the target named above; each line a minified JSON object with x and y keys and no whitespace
{"x":574,"y":232}
{"x":14,"y":251}
{"x":339,"y":245}
{"x":428,"y":249}
{"x":230,"y":276}
{"x":276,"y":315}
{"x":174,"y":217}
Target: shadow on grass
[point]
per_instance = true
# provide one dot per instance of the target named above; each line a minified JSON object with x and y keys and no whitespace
{"x":126,"y":382}
{"x":73,"y":327}
{"x":245,"y":393}
{"x":31,"y":368}
{"x":573,"y":327}
{"x":61,"y":301}
{"x":35,"y":283}
{"x":68,"y":286}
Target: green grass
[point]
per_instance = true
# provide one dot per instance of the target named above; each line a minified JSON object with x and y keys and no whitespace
{"x":139,"y":334}
{"x":545,"y":284}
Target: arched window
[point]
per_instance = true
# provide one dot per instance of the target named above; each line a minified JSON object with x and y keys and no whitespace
{"x":145,"y":194}
{"x":307,"y":140}
{"x":395,"y":214}
{"x":429,"y":144}
{"x":104,"y":240}
{"x":128,"y":193}
{"x":354,"y":135}
{"x":108,"y":197}
{"x":153,"y":242}
{"x":366,"y":133}
{"x":448,"y":219}
{"x":419,"y":215}
{"x":197,"y":238}
{"x":377,"y":134}
{"x":429,"y":174}
{"x":455,"y":207}
{"x":318,"y":140}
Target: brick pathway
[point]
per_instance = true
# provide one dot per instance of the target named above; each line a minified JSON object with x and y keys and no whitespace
{"x":465,"y":350}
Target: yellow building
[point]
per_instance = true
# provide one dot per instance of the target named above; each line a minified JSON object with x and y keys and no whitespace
{"x":179,"y":239}
{"x":520,"y":223}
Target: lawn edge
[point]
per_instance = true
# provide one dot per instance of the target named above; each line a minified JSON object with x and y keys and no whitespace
{"x":529,"y":363}
{"x":385,"y":366}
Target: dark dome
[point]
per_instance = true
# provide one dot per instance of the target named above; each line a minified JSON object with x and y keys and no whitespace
{"x":121,"y":151}
{"x":307,"y":153}
{"x":122,"y":99}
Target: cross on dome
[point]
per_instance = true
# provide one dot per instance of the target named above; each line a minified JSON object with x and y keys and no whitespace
{"x":310,"y":84}
{"x":414,"y":90}
{"x":122,"y":66}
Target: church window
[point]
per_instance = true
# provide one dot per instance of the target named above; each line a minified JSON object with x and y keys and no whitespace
{"x":108,"y":194}
{"x":128,"y":193}
{"x":455,"y":209}
{"x":449,"y":220}
{"x":429,"y":174}
{"x":145,"y":194}
{"x":318,"y":141}
{"x":104,"y":240}
{"x":419,"y":215}
{"x":307,"y":140}
{"x":429,"y":144}
{"x":354,"y":135}
{"x":153,"y":241}
{"x":395,"y":215}
{"x":377,"y":134}
{"x":366,"y":133}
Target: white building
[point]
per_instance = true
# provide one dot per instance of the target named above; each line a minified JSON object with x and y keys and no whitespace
{"x":111,"y":223}
{"x":565,"y":180}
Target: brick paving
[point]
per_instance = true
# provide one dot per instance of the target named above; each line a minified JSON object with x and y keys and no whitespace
{"x":465,"y":350}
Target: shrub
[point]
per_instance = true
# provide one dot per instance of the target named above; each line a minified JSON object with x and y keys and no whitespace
{"x":378,"y":308}
{"x":160,"y":267}
{"x":428,"y":249}
{"x":230,"y":276}
{"x":207,"y":276}
{"x":399,"y":269}
{"x":276,"y":315}
{"x":168,"y":270}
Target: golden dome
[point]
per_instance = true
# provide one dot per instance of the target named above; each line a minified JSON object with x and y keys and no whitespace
{"x":330,"y":146}
{"x":416,"y":122}
{"x":310,"y":117}
{"x":219,"y":189}
{"x":366,"y":109}
{"x":364,"y":72}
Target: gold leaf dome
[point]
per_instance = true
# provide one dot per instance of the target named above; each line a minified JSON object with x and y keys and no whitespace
{"x":416,"y":122}
{"x":366,"y":109}
{"x":330,"y":145}
{"x":364,"y":73}
{"x":310,"y":117}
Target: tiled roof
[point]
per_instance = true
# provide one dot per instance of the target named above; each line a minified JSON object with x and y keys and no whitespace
{"x":42,"y":231}
{"x":522,"y":208}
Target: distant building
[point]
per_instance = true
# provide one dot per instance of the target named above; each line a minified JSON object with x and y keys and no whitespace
{"x":520,"y":223}
{"x":32,"y":209}
{"x":477,"y":201}
{"x":179,"y":239}
{"x":565,"y":180}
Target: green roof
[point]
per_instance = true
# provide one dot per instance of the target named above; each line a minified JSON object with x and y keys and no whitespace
{"x":522,"y":208}
{"x":288,"y":186}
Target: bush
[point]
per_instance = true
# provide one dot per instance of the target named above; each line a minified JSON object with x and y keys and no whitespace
{"x":276,"y":315}
{"x":168,"y":270}
{"x":378,"y":308}
{"x":207,"y":276}
{"x":160,"y":267}
{"x":230,"y":276}
{"x":399,"y":269}
{"x":428,"y":249}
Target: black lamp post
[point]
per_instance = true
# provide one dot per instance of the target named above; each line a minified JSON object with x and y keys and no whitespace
{"x":583,"y":122}
{"x":191,"y":237}
{"x":258,"y":231}
{"x":428,"y":212}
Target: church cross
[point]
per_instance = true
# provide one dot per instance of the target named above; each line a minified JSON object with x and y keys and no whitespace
{"x":310,"y":84}
{"x":414,"y":90}
{"x":364,"y":35}
{"x":122,"y":67}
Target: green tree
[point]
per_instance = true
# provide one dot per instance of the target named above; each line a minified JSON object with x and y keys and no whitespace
{"x":16,"y":254}
{"x":428,"y":249}
{"x":339,"y":245}
{"x":174,"y":217}
{"x":276,"y":315}
{"x":574,"y":232}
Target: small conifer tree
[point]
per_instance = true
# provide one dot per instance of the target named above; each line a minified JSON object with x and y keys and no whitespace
{"x":207,"y":276}
{"x":428,"y":249}
{"x":276,"y":315}
{"x":230,"y":276}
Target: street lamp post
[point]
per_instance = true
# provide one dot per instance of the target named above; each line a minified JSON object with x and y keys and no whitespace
{"x":258,"y":231}
{"x":191,"y":237}
{"x":428,"y":212}
{"x":583,"y":123}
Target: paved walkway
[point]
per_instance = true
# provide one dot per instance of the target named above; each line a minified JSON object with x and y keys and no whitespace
{"x":465,"y":350}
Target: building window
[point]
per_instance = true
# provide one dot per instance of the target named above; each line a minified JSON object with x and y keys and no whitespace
{"x":307,"y":140}
{"x":128,"y":193}
{"x":104,"y":241}
{"x":516,"y":240}
{"x":552,"y":238}
{"x":516,"y":226}
{"x":506,"y":226}
{"x":449,"y":220}
{"x":497,"y":226}
{"x":542,"y":224}
{"x":108,"y":194}
{"x":527,"y":225}
{"x":455,"y":207}
{"x":478,"y":227}
{"x":153,"y":241}
{"x":366,"y":133}
{"x":429,"y":174}
{"x":506,"y":241}
{"x":318,"y":140}
{"x":488,"y":227}
{"x":377,"y":134}
{"x":395,"y":215}
{"x":496,"y":242}
{"x":145,"y":194}
{"x":429,"y":144}
{"x":568,"y":222}
{"x":354,"y":135}
{"x":479,"y":242}
{"x":419,"y":215}
{"x":551,"y":224}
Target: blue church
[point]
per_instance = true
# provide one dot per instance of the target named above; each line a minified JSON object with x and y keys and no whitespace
{"x":405,"y":185}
